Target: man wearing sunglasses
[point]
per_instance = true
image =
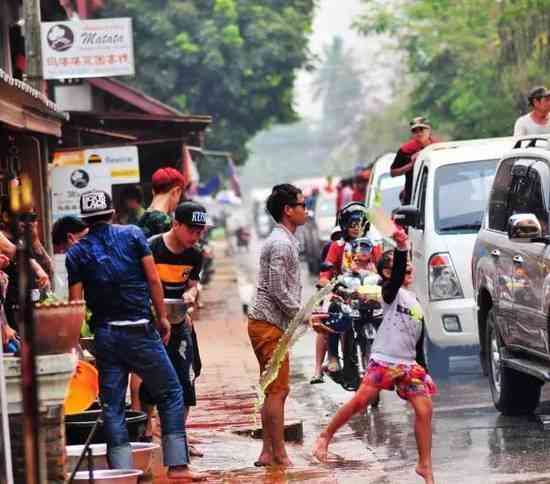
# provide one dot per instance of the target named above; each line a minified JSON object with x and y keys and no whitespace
{"x":403,"y":164}
{"x":277,"y":301}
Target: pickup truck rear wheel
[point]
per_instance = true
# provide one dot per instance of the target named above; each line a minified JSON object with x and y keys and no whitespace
{"x":514,"y":393}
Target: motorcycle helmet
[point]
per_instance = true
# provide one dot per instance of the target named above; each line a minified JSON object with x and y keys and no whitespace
{"x":339,"y":318}
{"x":351,"y":214}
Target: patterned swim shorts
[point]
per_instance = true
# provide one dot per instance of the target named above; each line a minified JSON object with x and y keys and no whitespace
{"x":408,"y":380}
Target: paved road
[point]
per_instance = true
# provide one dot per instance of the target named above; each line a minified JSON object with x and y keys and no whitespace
{"x":472,"y":442}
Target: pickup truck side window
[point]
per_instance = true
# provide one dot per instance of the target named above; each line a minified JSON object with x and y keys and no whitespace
{"x":499,"y":210}
{"x":527,"y":197}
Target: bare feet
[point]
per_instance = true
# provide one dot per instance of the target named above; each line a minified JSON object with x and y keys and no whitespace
{"x":265,"y":460}
{"x":282,"y":461}
{"x":184,"y":474}
{"x":426,"y":473}
{"x":320,"y":448}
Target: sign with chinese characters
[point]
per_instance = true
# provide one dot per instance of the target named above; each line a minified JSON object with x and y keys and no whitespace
{"x":122,"y":161}
{"x":69,"y":182}
{"x":87,"y":48}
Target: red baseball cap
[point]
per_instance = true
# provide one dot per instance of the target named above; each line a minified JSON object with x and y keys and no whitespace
{"x":166,"y":178}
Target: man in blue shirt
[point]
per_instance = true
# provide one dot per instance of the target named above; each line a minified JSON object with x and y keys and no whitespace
{"x":113,"y":269}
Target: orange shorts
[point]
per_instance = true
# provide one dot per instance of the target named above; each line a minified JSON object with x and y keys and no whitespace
{"x":264,"y":337}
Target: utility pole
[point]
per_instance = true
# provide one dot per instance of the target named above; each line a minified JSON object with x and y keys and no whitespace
{"x":33,"y":443}
{"x":33,"y":51}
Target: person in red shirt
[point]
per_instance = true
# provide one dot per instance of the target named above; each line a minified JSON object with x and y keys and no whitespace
{"x":403,"y":164}
{"x":353,"y":224}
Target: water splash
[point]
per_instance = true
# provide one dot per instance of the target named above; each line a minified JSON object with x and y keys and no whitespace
{"x":296,"y":329}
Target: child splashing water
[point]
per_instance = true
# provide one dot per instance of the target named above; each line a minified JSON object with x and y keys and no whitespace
{"x":396,"y":361}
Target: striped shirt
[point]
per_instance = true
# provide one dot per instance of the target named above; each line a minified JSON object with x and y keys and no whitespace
{"x":279,"y":287}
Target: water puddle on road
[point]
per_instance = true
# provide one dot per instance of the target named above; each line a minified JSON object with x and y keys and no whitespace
{"x":228,"y":458}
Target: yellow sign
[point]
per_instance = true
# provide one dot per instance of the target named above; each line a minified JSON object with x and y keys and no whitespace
{"x":122,"y":161}
{"x":63,"y":158}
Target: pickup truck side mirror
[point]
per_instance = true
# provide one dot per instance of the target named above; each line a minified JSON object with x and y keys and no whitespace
{"x":524,"y":227}
{"x":406,"y":216}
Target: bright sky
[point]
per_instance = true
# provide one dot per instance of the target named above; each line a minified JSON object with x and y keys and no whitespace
{"x":333,"y":17}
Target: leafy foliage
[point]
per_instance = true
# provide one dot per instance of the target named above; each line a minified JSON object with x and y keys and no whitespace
{"x":233,"y":59}
{"x":470,"y":61}
{"x":357,"y":124}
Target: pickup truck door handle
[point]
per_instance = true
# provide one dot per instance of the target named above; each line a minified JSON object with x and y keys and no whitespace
{"x":517,"y":259}
{"x":495,"y":253}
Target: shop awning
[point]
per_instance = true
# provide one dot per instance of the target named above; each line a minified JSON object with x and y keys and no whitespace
{"x":24,"y":107}
{"x":133,"y":96}
{"x":142,"y":127}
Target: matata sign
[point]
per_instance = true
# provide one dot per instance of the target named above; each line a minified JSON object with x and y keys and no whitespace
{"x":69,"y":182}
{"x":87,"y":48}
{"x":122,"y":161}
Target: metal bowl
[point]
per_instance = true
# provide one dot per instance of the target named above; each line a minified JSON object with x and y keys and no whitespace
{"x":176,"y":310}
{"x":115,"y":476}
{"x":78,"y":426}
{"x":142,"y":454}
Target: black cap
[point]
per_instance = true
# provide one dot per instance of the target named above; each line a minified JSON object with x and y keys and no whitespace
{"x":191,"y":214}
{"x":538,"y":92}
{"x":95,"y":202}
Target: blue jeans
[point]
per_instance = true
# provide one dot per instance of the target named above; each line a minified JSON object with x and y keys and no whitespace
{"x":119,"y":351}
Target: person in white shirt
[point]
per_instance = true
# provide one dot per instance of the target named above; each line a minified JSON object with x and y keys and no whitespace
{"x":537,"y":121}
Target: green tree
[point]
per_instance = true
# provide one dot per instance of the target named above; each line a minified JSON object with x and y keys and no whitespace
{"x":358,"y":122}
{"x":311,"y":147}
{"x":339,"y":86}
{"x":469,"y":61}
{"x":233,"y":59}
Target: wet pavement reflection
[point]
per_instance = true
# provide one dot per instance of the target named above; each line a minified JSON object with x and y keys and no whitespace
{"x":472,"y":442}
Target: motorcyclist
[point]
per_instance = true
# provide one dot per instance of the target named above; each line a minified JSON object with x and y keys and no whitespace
{"x":353,"y":222}
{"x":354,"y":315}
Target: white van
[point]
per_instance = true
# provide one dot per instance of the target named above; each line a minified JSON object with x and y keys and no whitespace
{"x":451,"y":185}
{"x":384,"y":187}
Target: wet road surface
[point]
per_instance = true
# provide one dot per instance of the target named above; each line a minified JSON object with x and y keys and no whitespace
{"x":472,"y":442}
